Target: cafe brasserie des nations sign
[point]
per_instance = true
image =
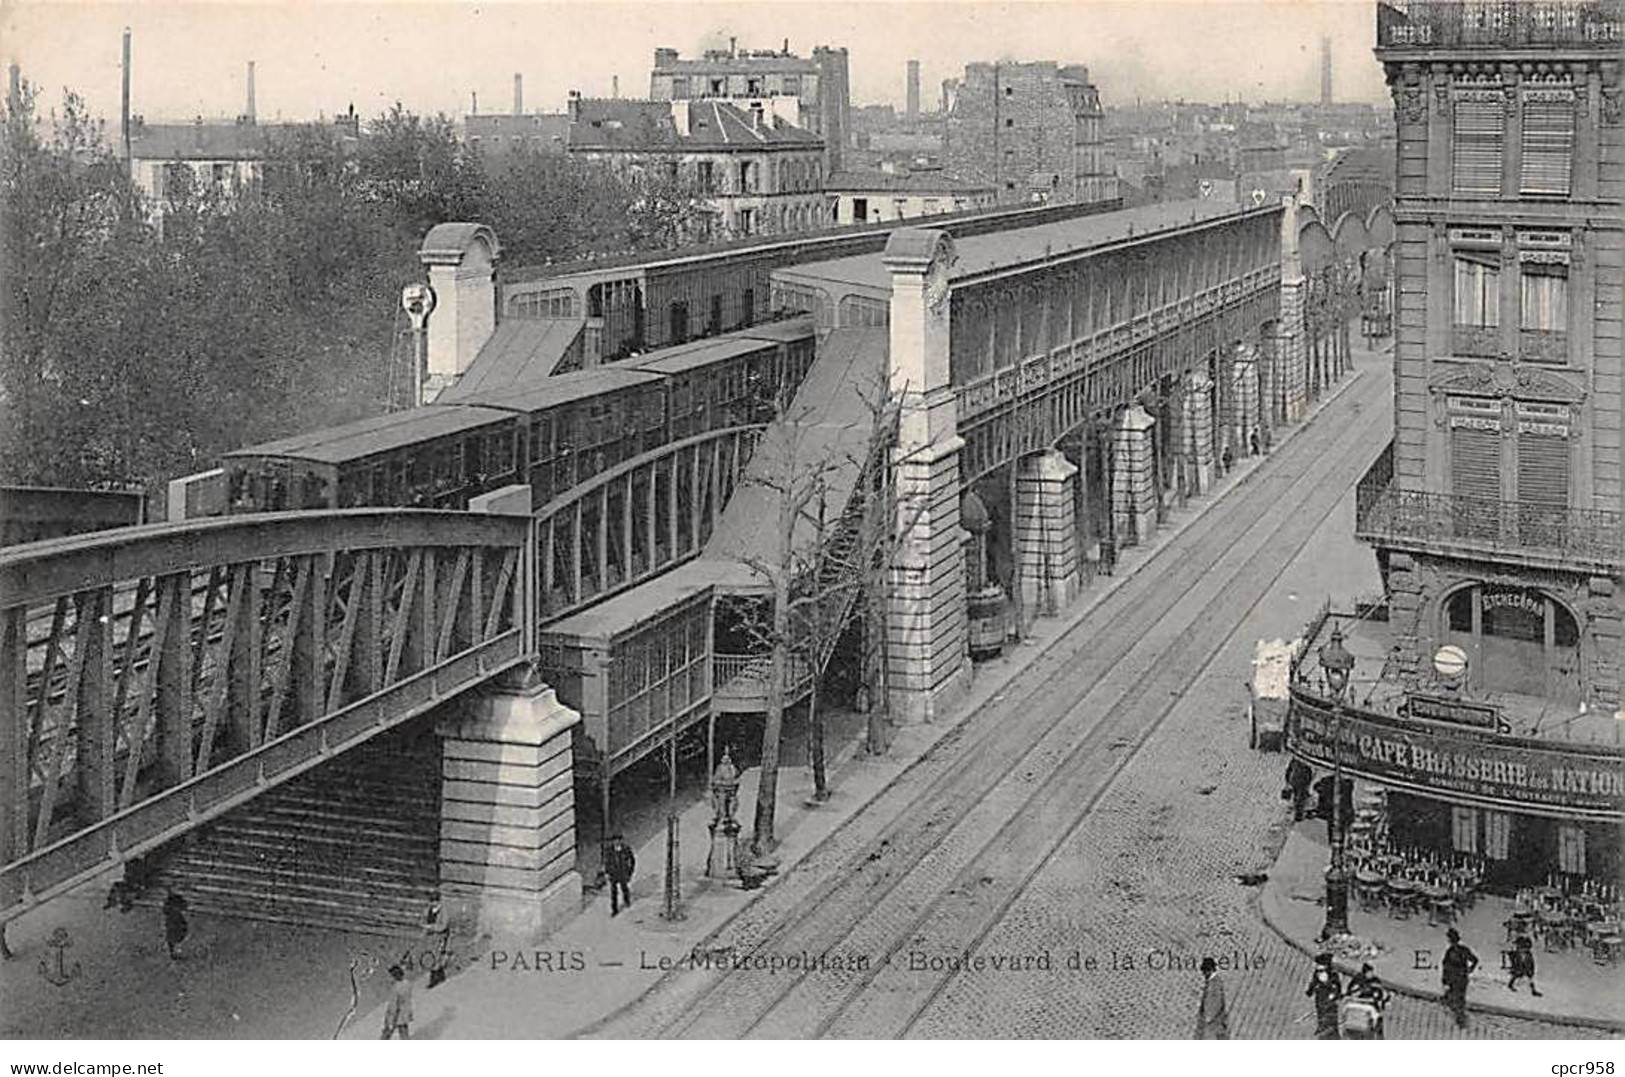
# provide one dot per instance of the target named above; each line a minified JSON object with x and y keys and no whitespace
{"x":1469,"y":766}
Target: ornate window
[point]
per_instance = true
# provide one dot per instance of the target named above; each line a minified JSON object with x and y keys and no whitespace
{"x":1477,"y":317}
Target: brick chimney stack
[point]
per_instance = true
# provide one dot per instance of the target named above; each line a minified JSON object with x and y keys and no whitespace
{"x":249,"y":111}
{"x":518,"y":94}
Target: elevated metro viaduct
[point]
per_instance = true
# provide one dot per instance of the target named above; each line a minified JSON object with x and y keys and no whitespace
{"x":153,"y":679}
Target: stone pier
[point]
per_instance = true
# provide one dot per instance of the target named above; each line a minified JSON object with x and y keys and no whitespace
{"x":1046,"y":530}
{"x":1291,"y":373}
{"x":1198,"y":429}
{"x":927,"y":659}
{"x":1134,"y":493}
{"x":507,"y":816}
{"x":1244,"y":388}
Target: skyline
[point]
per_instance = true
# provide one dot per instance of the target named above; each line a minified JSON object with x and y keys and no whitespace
{"x":189,"y":59}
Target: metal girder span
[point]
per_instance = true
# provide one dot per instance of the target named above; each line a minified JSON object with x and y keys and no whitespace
{"x":152,"y":678}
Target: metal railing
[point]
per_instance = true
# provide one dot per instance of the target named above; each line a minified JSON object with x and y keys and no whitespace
{"x":1518,"y":530}
{"x":1440,"y":24}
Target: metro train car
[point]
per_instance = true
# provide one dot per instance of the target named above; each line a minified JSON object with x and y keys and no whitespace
{"x":424,"y":458}
{"x":554,"y":435}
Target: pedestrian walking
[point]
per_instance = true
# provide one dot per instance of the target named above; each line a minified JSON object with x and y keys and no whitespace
{"x":1326,"y":989}
{"x":1523,"y":965}
{"x":398,"y":1014}
{"x":1212,"y":1019}
{"x":1299,"y":777}
{"x":1459,"y":963}
{"x":437,"y":944}
{"x":619,"y":864}
{"x":175,"y":925}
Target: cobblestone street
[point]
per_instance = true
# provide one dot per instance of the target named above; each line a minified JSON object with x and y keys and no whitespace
{"x":1082,"y":836}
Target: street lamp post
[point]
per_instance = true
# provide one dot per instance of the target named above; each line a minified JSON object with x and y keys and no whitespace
{"x":1337,"y":663}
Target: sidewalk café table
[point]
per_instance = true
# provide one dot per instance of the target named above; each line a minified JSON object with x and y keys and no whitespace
{"x":1606,"y":949}
{"x":1441,"y":904}
{"x":1555,"y":928}
{"x":1369,"y":884}
{"x":1401,"y":895}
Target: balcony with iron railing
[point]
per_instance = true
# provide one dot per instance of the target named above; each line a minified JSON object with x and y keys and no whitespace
{"x":1509,"y":24}
{"x":1516,"y":532}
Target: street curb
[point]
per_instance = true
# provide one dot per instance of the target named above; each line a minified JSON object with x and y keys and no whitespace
{"x":1349,"y":968}
{"x":977,"y":697}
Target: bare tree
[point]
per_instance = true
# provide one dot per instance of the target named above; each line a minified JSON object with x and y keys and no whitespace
{"x":836,"y":533}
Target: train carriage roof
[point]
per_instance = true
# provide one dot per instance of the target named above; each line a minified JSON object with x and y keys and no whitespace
{"x":563,"y":389}
{"x":785,"y":330}
{"x":685,"y":357}
{"x":381,"y":433}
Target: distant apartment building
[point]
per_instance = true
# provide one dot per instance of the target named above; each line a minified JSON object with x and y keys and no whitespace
{"x":1032,"y":130}
{"x":496,"y":134}
{"x":866,"y":197}
{"x":819,"y":86}
{"x":756,"y":171}
{"x":222,"y":156}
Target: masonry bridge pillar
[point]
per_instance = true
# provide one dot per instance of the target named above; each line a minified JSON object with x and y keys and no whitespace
{"x":1134,"y":487}
{"x":1046,"y":530}
{"x":1197,"y":429}
{"x":927,"y":663}
{"x":1291,"y":373}
{"x":1245,"y":423}
{"x":507,"y":809}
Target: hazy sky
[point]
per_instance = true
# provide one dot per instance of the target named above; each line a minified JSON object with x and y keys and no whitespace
{"x":321,"y":55}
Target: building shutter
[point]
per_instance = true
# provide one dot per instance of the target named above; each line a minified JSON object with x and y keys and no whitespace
{"x":1477,"y":147}
{"x":1497,"y":834}
{"x":1464,"y":830}
{"x":1475,"y":464}
{"x":1543,"y":470}
{"x":1571,"y":849}
{"x":1548,"y":142}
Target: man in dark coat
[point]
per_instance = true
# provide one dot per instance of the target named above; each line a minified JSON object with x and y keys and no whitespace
{"x":437,"y":944}
{"x":1299,"y":777}
{"x":619,"y":863}
{"x":175,"y":926}
{"x":1212,"y":1019}
{"x":1459,"y":963}
{"x":1325,"y":988}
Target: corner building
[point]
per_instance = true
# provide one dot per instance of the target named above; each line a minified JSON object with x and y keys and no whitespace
{"x":1501,"y":530}
{"x":1495,"y":512}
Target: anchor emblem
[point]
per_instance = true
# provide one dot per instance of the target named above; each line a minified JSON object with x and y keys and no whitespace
{"x":61,"y":975}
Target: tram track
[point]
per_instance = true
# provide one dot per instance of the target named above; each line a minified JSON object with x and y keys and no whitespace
{"x":993,"y":770}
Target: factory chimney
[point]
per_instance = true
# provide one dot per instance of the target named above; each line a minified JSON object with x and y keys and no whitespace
{"x":615,"y":87}
{"x":250,"y":110}
{"x":15,"y":100}
{"x":1325,"y":70}
{"x":518,"y":94}
{"x":124,"y":105}
{"x":913,"y":89}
